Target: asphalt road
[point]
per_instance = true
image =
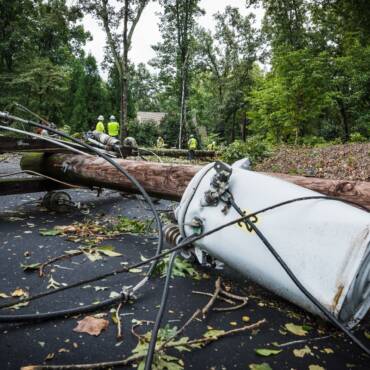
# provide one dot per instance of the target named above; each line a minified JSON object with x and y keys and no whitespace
{"x":23,"y":344}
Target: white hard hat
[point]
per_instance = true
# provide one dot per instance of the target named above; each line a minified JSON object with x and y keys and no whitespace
{"x":112,"y":118}
{"x":101,"y":118}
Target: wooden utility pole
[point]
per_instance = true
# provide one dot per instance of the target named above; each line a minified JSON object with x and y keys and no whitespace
{"x":167,"y":181}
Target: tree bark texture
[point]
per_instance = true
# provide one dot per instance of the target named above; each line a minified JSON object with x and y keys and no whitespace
{"x":167,"y":181}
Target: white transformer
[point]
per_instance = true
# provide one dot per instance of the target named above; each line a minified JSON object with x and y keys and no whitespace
{"x":326,"y":243}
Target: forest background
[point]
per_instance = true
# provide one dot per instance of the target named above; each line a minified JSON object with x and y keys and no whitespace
{"x":315,"y":89}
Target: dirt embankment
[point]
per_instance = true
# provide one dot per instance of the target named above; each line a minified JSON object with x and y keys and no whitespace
{"x":346,"y":162}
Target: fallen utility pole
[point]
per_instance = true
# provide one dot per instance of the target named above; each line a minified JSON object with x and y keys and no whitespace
{"x":167,"y":181}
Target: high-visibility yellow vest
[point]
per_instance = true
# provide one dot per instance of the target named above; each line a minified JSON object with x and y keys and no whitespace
{"x":160,"y":143}
{"x":100,"y":127}
{"x":113,"y":128}
{"x":192,"y":143}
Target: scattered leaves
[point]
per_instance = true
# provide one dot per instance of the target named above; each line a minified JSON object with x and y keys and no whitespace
{"x":91,"y":325}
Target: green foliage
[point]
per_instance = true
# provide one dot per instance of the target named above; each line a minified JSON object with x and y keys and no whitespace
{"x":162,"y":360}
{"x":181,"y":268}
{"x":356,"y":137}
{"x":128,"y":225}
{"x":253,"y":148}
{"x":145,"y":133}
{"x":313,"y":140}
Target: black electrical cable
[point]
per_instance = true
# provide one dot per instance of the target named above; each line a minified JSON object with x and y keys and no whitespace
{"x":132,"y":180}
{"x":62,"y":313}
{"x":296,"y":281}
{"x":183,"y":244}
{"x":158,"y":320}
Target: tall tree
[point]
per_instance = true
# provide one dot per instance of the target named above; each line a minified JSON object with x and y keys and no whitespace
{"x":119,"y":20}
{"x":175,"y":53}
{"x":229,"y":56}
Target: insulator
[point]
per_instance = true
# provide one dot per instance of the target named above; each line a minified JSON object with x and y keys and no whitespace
{"x":172,"y":234}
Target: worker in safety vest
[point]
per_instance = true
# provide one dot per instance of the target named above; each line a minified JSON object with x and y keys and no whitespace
{"x":100,"y":125}
{"x":160,"y":142}
{"x":113,"y":127}
{"x":192,"y":146}
{"x":211,"y":146}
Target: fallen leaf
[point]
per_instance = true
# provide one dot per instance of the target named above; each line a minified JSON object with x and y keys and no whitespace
{"x":267,"y":351}
{"x":315,"y":367}
{"x":32,"y":266}
{"x":114,"y":294}
{"x":91,"y":325}
{"x":296,"y":329}
{"x":135,"y":270}
{"x":328,"y":350}
{"x":3,"y":295}
{"x":213,"y":333}
{"x":302,"y":352}
{"x":61,"y":350}
{"x":367,"y":334}
{"x":233,"y":323}
{"x":19,"y":305}
{"x":246,"y":318}
{"x":50,"y":232}
{"x":263,"y":366}
{"x":53,"y":284}
{"x":109,"y":251}
{"x":19,"y":293}
{"x":50,"y":356}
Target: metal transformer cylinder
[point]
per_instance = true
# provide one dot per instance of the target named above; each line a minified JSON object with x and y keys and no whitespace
{"x":326,"y":243}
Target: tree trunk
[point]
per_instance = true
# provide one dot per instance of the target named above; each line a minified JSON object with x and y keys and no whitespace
{"x":125,"y":71}
{"x":167,"y":181}
{"x":344,"y":120}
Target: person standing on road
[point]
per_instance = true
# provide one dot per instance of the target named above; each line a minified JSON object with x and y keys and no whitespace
{"x":192,"y":146}
{"x":160,"y":142}
{"x":113,"y":127}
{"x":100,"y":125}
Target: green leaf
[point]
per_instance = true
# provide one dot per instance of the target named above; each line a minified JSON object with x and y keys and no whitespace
{"x":263,"y":366}
{"x":296,"y":329}
{"x":267,"y":351}
{"x":49,"y":232}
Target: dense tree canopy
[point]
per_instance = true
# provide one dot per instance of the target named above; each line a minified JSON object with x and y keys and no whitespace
{"x":302,"y":77}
